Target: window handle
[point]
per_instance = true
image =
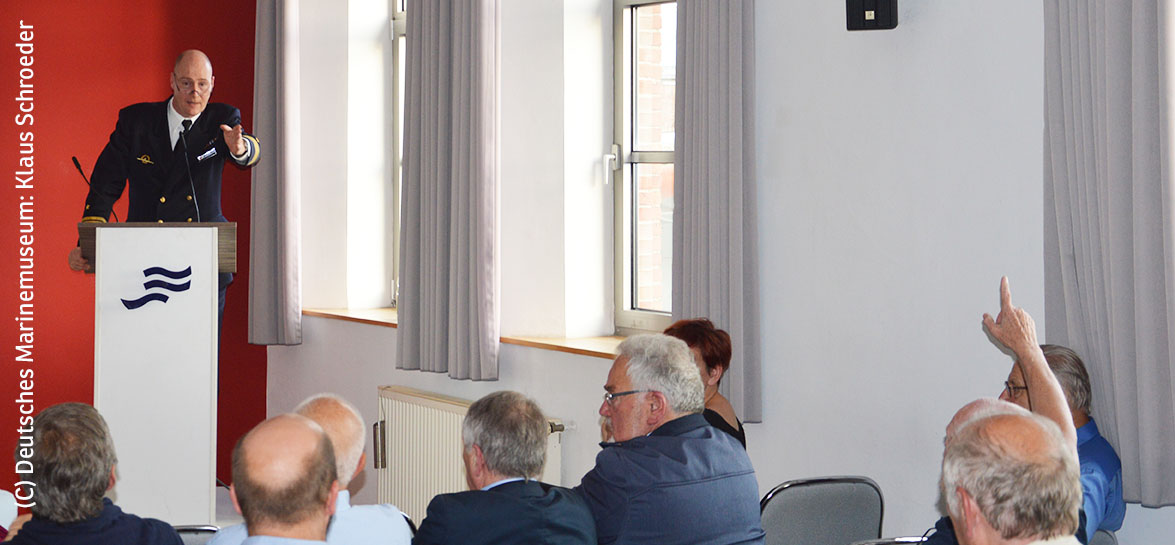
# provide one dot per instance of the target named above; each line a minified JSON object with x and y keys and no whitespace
{"x":610,"y":166}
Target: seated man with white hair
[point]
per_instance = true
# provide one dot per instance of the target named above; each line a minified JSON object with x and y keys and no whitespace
{"x":670,"y":477}
{"x":351,"y":523}
{"x":1012,"y":479}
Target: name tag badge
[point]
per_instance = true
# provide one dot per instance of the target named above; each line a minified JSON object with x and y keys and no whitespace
{"x":207,"y":154}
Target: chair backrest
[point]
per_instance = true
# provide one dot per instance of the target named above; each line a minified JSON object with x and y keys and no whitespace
{"x":1104,"y":537}
{"x":892,"y":540}
{"x":196,"y":535}
{"x":822,"y":511}
{"x":411,"y":525}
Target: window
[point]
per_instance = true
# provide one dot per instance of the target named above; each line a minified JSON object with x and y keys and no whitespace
{"x":645,"y":50}
{"x":399,"y":30}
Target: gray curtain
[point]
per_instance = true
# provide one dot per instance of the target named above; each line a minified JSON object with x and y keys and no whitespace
{"x":714,"y":233}
{"x":275,"y":250}
{"x":1109,"y":213}
{"x":448,"y":308}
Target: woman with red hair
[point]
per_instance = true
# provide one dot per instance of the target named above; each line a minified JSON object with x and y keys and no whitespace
{"x":711,"y":348}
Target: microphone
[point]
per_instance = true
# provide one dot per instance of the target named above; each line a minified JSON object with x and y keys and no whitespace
{"x":187,"y":123}
{"x":78,"y":166}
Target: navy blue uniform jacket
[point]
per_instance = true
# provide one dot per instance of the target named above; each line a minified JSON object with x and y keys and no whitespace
{"x":139,"y":152}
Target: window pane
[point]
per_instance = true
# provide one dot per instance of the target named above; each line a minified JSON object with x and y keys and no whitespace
{"x":653,"y":237}
{"x":656,"y":74}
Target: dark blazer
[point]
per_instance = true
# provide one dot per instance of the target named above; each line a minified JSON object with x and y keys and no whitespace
{"x":685,"y":483}
{"x":139,"y":152}
{"x":522,"y":512}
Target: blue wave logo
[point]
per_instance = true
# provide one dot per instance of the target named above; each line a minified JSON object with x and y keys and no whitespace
{"x":160,"y":284}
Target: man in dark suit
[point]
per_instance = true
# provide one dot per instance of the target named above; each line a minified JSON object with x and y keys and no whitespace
{"x":172,"y":153}
{"x":505,"y":436}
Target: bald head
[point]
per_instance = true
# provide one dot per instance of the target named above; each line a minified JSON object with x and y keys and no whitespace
{"x":192,"y":58}
{"x":283,"y":474}
{"x":343,"y":425}
{"x":191,"y":83}
{"x":980,"y":408}
{"x":1016,"y":469}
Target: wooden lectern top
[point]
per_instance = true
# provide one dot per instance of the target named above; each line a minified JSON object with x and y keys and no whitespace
{"x":226,"y":239}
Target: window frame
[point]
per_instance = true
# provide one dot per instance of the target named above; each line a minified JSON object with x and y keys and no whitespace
{"x":398,"y":26}
{"x":628,"y":320}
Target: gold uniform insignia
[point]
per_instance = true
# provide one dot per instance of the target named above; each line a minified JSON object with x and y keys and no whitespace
{"x":145,"y":159}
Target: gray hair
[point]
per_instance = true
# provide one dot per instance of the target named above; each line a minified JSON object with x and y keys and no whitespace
{"x":665,"y":364}
{"x":1070,"y":372}
{"x":73,"y":456}
{"x":343,"y":425}
{"x":1022,"y":491}
{"x":511,"y":431}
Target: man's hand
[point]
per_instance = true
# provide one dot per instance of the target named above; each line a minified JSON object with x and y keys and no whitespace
{"x":235,"y":139}
{"x":1013,"y":327}
{"x":1016,"y":330}
{"x":77,"y":262}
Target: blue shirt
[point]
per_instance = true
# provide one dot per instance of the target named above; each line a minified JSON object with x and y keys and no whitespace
{"x":1101,"y":481}
{"x":271,"y":540}
{"x":351,"y":524}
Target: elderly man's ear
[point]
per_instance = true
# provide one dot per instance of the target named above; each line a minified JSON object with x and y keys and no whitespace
{"x":330,"y":500}
{"x":658,"y":408}
{"x":113,"y":470}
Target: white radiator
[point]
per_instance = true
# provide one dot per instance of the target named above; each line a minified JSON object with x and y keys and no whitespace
{"x":417,"y":448}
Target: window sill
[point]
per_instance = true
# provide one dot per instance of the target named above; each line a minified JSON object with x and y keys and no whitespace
{"x":596,"y":347}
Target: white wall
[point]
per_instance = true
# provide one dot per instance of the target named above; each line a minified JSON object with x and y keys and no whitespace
{"x":899,"y":177}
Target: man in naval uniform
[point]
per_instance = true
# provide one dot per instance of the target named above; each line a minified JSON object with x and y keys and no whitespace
{"x":172,"y":154}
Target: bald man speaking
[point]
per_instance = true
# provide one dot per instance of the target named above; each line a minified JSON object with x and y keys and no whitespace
{"x":171,"y":154}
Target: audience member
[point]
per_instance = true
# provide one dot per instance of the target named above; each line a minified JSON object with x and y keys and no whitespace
{"x":351,"y":523}
{"x":505,"y":436}
{"x":670,"y":477}
{"x":1101,"y":470}
{"x":284,"y":481}
{"x":1014,"y":329}
{"x":943,"y":532}
{"x":711,"y":349}
{"x":73,"y":464}
{"x":1012,"y":479}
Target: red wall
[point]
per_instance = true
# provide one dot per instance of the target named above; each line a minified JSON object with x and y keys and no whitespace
{"x":90,"y":58}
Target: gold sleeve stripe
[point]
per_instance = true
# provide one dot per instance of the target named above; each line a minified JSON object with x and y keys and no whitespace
{"x":255,"y":152}
{"x":93,"y":219}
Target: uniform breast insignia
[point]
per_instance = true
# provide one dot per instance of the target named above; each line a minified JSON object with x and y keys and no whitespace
{"x":207,"y":154}
{"x":145,"y":159}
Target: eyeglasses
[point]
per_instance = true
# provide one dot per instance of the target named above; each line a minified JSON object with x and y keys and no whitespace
{"x":609,"y":396}
{"x":187,"y":85}
{"x":1013,"y":390}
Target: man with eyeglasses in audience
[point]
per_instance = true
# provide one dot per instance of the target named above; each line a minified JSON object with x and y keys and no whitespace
{"x":1101,"y":469}
{"x":669,"y":477}
{"x":1014,"y":329}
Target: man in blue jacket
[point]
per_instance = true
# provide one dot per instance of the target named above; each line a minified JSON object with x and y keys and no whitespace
{"x":670,"y":477}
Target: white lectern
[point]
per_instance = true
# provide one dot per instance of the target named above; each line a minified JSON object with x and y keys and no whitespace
{"x":155,"y":368}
